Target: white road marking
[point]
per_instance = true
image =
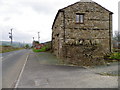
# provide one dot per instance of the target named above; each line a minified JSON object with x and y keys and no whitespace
{"x":19,"y":77}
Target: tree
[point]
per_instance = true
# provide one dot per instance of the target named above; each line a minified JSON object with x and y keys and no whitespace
{"x":117,"y":39}
{"x":27,"y":46}
{"x":117,"y":36}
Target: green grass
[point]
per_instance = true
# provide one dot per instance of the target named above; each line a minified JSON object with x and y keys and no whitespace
{"x":4,"y":49}
{"x":115,"y":55}
{"x":43,"y":49}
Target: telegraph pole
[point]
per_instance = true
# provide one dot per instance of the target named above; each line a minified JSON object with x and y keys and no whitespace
{"x":38,"y":37}
{"x":33,"y":38}
{"x":11,"y":36}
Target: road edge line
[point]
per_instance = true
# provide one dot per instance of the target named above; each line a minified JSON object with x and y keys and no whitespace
{"x":19,"y":77}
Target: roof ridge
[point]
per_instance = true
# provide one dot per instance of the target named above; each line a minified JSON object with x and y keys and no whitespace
{"x":86,"y":1}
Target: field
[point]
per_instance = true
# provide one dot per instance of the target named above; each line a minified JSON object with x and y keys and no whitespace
{"x":4,"y":49}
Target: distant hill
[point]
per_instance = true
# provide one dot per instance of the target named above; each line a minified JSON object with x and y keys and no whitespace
{"x":15,"y":44}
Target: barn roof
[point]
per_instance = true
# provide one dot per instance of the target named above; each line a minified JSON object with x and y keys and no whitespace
{"x":81,"y":1}
{"x":86,"y":1}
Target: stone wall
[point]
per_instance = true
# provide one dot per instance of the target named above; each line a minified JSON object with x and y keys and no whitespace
{"x":57,"y":35}
{"x":82,"y":43}
{"x":83,"y":55}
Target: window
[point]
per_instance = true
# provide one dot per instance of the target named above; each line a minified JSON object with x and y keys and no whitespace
{"x":79,"y":18}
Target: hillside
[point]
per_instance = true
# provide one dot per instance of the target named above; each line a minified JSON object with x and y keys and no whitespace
{"x":15,"y":44}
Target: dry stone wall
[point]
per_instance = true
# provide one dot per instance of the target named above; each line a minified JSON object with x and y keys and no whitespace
{"x":84,"y":55}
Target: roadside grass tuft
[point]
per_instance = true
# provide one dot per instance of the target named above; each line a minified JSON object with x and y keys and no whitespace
{"x":115,"y":56}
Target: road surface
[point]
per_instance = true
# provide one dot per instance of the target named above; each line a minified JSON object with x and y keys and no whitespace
{"x":12,"y":64}
{"x":42,"y":71}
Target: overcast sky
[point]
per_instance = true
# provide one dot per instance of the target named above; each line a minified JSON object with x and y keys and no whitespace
{"x":27,"y":17}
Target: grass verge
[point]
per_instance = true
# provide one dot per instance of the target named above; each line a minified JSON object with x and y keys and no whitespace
{"x":115,"y":56}
{"x":43,"y":49}
{"x":4,"y":49}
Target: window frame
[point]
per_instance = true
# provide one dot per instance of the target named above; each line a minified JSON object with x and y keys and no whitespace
{"x":78,"y":16}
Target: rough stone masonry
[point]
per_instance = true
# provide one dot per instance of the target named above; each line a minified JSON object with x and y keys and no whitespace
{"x":82,"y":33}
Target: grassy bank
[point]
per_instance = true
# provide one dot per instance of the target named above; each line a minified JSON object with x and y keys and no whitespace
{"x":4,"y":49}
{"x":115,"y":56}
{"x":46,"y":47}
{"x":43,"y":49}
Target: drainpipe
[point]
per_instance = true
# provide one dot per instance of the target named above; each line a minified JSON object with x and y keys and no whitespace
{"x":52,"y":41}
{"x":110,"y":31}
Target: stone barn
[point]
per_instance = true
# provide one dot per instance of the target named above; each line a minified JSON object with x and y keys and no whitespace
{"x":82,"y":33}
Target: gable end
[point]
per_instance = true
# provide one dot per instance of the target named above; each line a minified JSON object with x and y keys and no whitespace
{"x":60,"y":10}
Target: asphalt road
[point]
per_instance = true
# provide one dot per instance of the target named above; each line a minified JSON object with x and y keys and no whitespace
{"x":41,"y":72}
{"x":12,"y":64}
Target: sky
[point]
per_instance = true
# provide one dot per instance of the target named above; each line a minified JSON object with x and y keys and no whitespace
{"x":28,"y":17}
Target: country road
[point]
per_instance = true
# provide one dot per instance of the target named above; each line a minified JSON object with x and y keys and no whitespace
{"x":12,"y":64}
{"x":42,"y":70}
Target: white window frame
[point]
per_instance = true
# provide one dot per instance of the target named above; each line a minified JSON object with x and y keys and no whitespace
{"x":79,"y":18}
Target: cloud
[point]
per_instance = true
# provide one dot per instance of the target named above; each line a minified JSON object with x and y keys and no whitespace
{"x":28,"y":17}
{"x":18,"y":36}
{"x":6,"y":18}
{"x":40,"y":7}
